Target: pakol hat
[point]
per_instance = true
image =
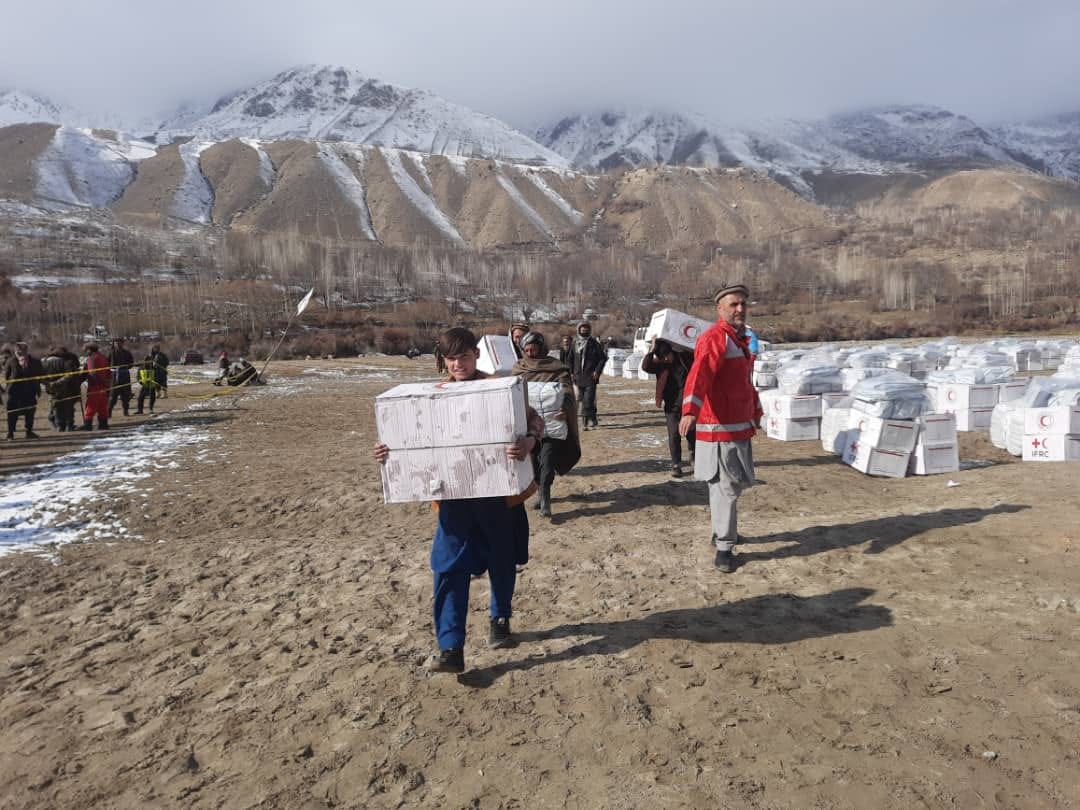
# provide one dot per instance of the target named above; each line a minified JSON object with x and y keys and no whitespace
{"x":532,"y":337}
{"x":730,"y":289}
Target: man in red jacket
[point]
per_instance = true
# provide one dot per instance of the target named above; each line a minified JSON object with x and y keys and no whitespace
{"x":720,"y":403}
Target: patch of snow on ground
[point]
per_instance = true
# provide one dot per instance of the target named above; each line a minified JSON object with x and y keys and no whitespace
{"x":348,"y":182}
{"x":43,"y":507}
{"x":419,"y":198}
{"x":194,"y":199}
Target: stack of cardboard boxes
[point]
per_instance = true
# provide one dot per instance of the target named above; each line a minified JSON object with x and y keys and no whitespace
{"x":973,"y":405}
{"x":791,"y":417}
{"x":1052,"y":434}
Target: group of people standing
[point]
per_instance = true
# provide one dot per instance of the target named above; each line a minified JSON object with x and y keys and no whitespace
{"x":707,"y":397}
{"x":62,"y":375}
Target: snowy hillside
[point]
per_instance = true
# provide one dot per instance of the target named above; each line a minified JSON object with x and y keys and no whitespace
{"x":18,"y":107}
{"x":335,"y":104}
{"x":1054,"y":141}
{"x":873,"y":141}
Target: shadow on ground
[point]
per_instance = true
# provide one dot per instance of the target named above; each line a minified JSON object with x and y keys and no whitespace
{"x":770,"y":619}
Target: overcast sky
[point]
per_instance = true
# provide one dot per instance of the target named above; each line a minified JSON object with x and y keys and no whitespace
{"x":530,"y":62}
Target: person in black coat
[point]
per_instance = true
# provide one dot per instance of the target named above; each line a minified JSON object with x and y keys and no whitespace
{"x":22,"y":377}
{"x":64,"y":387}
{"x":671,"y":368}
{"x":121,"y":361}
{"x":587,"y":358}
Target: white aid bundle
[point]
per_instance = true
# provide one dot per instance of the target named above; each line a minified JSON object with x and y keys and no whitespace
{"x":891,"y":396}
{"x":546,"y":398}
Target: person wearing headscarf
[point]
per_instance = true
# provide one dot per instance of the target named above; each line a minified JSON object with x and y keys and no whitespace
{"x":517,"y":331}
{"x":721,"y":405}
{"x":22,"y":377}
{"x":587,"y":358}
{"x":560,"y":447}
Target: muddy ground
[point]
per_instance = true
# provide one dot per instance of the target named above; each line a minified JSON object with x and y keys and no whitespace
{"x":883,"y":643}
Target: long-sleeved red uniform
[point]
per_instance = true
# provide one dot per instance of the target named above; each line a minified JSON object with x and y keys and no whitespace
{"x":718,"y":389}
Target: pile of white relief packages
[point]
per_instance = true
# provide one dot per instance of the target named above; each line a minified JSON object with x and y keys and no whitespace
{"x":894,"y":411}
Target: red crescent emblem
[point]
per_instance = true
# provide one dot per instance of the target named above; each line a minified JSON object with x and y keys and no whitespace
{"x":1046,"y":420}
{"x":689,"y":331}
{"x":951,"y":395}
{"x":441,"y":385}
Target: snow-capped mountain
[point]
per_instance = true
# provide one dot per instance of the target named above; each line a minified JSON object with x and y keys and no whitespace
{"x":873,"y":141}
{"x":1055,"y":141}
{"x":336,"y":104}
{"x":20,"y":107}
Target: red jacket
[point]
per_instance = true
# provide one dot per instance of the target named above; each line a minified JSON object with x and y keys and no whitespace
{"x":718,"y":390}
{"x":99,"y":375}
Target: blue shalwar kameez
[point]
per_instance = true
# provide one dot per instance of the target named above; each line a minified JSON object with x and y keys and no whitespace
{"x":475,"y":535}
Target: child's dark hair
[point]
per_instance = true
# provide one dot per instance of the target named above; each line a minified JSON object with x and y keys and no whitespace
{"x":457,"y":341}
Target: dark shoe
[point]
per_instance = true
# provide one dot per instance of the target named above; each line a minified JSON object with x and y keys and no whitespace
{"x":126,"y":412}
{"x":103,"y":425}
{"x":138,"y":412}
{"x":500,"y":635}
{"x":31,"y":435}
{"x":676,"y":470}
{"x":447,"y":661}
{"x":87,"y":426}
{"x":725,"y":561}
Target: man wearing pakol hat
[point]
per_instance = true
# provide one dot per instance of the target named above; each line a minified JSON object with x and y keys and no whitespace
{"x":722,"y":406}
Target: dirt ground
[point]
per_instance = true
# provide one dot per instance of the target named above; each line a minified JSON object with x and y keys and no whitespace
{"x":883,"y":643}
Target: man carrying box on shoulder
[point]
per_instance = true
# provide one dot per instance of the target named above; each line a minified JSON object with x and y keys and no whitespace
{"x":475,"y":534}
{"x":721,"y":405}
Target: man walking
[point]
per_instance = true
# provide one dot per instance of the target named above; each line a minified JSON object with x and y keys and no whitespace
{"x":671,"y":369}
{"x":98,"y":382}
{"x":587,"y":358}
{"x":722,"y":406}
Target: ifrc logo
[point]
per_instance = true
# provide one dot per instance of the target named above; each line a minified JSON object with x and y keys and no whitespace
{"x":690,"y":331}
{"x":1036,"y":444}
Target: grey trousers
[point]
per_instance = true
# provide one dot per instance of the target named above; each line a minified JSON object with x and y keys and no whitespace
{"x":728,"y":467}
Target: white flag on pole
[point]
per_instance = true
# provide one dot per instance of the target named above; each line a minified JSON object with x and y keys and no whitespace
{"x":304,"y":302}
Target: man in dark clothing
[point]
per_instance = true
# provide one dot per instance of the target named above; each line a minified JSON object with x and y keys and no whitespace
{"x":549,"y":385}
{"x":121,"y":361}
{"x":587,"y":358}
{"x":564,"y":350}
{"x":22,"y":376}
{"x":161,"y":370}
{"x":671,"y":368}
{"x":64,"y":387}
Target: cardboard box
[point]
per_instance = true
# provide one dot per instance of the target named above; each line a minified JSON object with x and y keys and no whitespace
{"x":952,"y":397}
{"x":870,"y":460}
{"x":790,"y":406}
{"x":792,"y":430}
{"x":1058,"y":421}
{"x":1051,"y":447}
{"x":934,"y":459}
{"x":677,"y":328}
{"x":973,"y":419}
{"x":448,"y":439}
{"x":884,"y":434}
{"x":831,"y":400}
{"x":1014,"y":389}
{"x":834,"y":431}
{"x":938,"y":428}
{"x":497,"y":355}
